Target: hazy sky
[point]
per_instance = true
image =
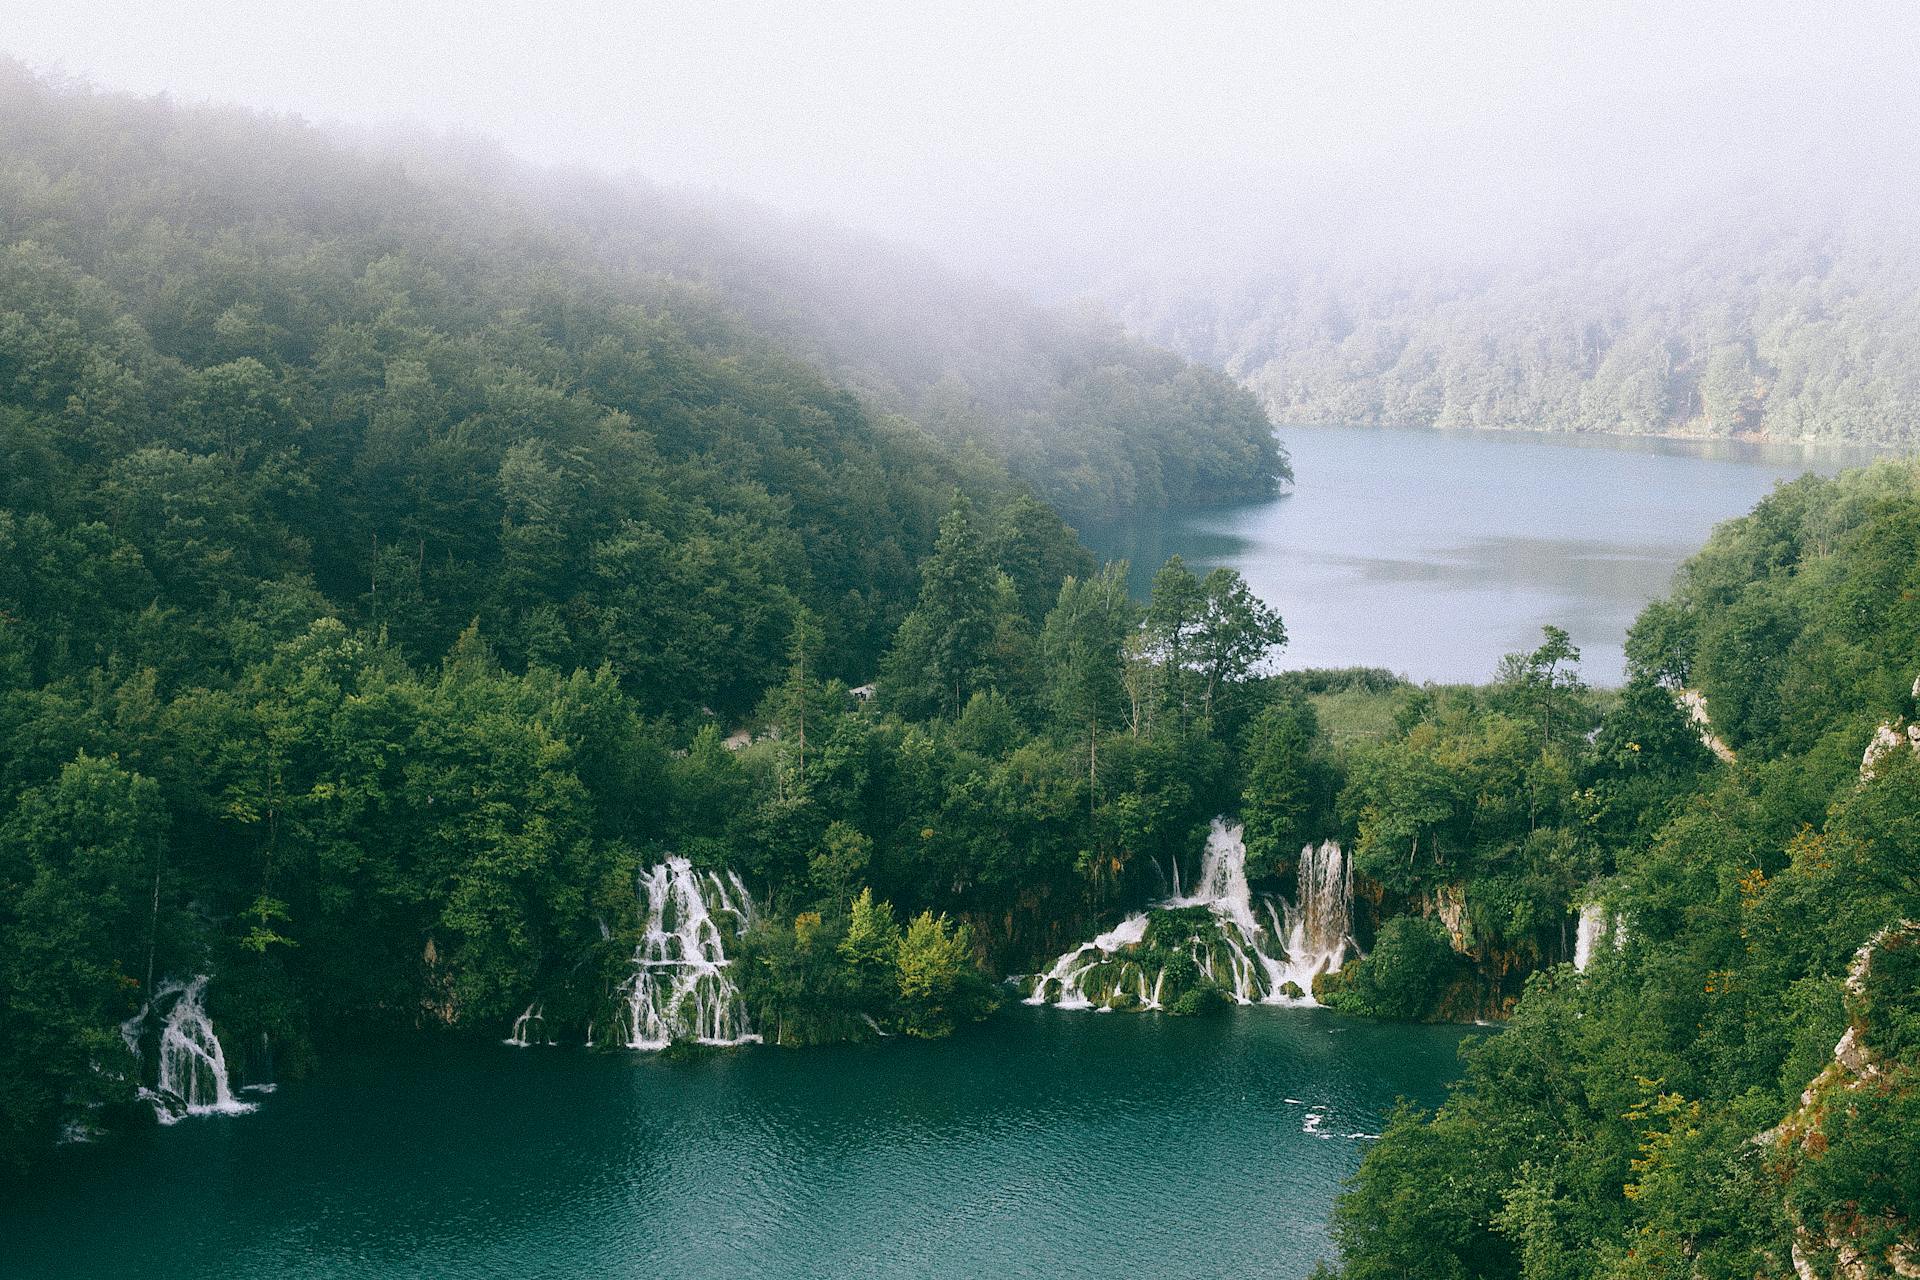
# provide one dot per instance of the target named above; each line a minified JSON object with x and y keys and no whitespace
{"x":1021,"y":133}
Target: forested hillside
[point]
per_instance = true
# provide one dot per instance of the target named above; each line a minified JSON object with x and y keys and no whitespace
{"x":380,"y":569}
{"x":1646,"y":1117}
{"x":392,"y":590}
{"x":272,"y":414}
{"x":1095,"y":421}
{"x":246,"y":371}
{"x":1727,"y":322}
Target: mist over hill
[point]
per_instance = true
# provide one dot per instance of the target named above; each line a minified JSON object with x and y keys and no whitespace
{"x":431,"y":583}
{"x":1098,"y":422}
{"x":1737,"y":319}
{"x":1095,"y":422}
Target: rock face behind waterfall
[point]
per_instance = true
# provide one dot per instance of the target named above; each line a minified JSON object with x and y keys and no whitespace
{"x":189,"y":1067}
{"x":1220,"y":937}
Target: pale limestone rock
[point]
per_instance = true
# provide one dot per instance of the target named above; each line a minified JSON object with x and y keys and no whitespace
{"x":1695,"y":704}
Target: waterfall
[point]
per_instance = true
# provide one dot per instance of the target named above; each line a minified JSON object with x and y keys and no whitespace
{"x":1592,"y":919}
{"x":1256,"y":949}
{"x":1070,"y":970}
{"x":530,"y":1028}
{"x":191,"y":1077}
{"x":1254,"y":972}
{"x":680,"y":989}
{"x":1320,"y":923}
{"x":1223,"y":879}
{"x":1594,"y":925}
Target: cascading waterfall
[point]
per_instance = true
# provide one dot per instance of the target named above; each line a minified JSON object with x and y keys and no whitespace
{"x":1592,"y":919}
{"x":1319,"y":925}
{"x":1254,"y":970}
{"x":1267,"y":951}
{"x":530,"y":1028}
{"x":1067,"y":973}
{"x":191,"y":1077}
{"x":1594,"y":926}
{"x":680,"y":989}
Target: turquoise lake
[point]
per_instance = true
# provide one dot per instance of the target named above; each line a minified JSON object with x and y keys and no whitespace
{"x":1043,"y":1143}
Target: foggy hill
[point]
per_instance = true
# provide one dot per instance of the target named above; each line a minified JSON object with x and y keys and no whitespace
{"x":249,"y":376}
{"x":1096,"y":421}
{"x":1737,"y":320}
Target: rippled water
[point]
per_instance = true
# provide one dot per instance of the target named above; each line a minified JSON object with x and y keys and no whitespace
{"x":1041,"y":1144}
{"x":1432,"y":553}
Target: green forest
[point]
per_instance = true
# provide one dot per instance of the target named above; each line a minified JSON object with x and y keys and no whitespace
{"x":394,"y":564}
{"x":1096,"y":422}
{"x":339,"y":495}
{"x":1679,"y":1109}
{"x":1726,"y":320}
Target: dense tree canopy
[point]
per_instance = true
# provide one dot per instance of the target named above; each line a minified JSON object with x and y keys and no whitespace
{"x":387,"y":552}
{"x":387,"y":576}
{"x":1646,"y":1118}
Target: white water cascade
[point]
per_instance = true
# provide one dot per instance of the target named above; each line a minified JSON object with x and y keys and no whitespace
{"x":192,"y":1075}
{"x":680,"y":989}
{"x":530,"y":1028}
{"x":1259,"y":947}
{"x":1319,"y":923}
{"x":1594,"y":926}
{"x":1592,"y":919}
{"x":1068,"y":973}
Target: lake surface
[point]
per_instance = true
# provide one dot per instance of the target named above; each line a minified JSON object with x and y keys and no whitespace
{"x":1432,"y":553}
{"x":1044,"y":1143}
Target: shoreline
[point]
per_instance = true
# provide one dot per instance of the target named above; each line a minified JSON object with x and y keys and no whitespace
{"x":1745,"y":439}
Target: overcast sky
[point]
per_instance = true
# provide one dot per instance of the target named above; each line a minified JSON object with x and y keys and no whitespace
{"x":1010,"y":135}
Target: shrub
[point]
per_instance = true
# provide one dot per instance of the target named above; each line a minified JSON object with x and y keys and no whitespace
{"x":1407,"y":975}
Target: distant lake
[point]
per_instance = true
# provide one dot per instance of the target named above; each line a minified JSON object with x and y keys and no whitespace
{"x":1432,"y":553}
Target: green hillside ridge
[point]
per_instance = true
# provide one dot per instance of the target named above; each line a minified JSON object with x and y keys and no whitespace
{"x":1732,"y":321}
